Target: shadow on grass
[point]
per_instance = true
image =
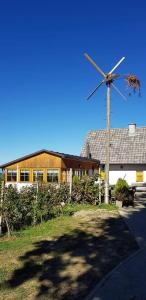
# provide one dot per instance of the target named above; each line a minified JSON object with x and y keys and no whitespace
{"x":70,"y":266}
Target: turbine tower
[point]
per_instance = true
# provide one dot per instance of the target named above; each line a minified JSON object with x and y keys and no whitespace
{"x":108,"y":79}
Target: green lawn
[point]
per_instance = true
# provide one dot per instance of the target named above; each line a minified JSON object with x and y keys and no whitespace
{"x":64,"y":257}
{"x":53,"y":228}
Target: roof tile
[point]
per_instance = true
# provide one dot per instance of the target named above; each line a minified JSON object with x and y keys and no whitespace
{"x":123,"y":148}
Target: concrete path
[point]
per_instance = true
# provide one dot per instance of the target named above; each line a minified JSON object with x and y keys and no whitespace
{"x":136,"y":220}
{"x":128,"y":280}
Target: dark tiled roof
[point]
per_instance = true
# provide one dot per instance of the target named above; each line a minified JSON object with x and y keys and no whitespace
{"x":58,"y":154}
{"x":124,"y":149}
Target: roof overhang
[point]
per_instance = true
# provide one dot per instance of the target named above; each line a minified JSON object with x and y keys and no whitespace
{"x":57,"y":154}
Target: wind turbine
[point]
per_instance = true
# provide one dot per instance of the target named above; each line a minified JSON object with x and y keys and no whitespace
{"x":108,"y":79}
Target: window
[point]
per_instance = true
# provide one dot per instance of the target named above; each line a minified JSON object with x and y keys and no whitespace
{"x":11,"y":175}
{"x":52,"y":175}
{"x":38,"y":175}
{"x":79,"y":173}
{"x":24,"y":175}
{"x":102,"y":167}
{"x":139,"y":176}
{"x":102,"y":174}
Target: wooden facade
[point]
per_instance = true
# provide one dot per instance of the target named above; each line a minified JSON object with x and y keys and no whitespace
{"x":47,"y":166}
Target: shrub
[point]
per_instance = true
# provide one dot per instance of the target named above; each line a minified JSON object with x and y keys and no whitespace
{"x":76,"y":179}
{"x":59,"y":197}
{"x":121,"y":190}
{"x":32,"y":205}
{"x":44,"y":204}
{"x":9,"y":209}
{"x":27,"y":206}
{"x":86,"y":190}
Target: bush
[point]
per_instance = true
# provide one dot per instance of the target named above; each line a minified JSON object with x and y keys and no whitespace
{"x":44,"y":204}
{"x":33,"y":205}
{"x":9,"y":210}
{"x":76,"y":179}
{"x":121,"y":190}
{"x":27,"y":206}
{"x":86,"y":190}
{"x":30,"y":206}
{"x":57,"y":195}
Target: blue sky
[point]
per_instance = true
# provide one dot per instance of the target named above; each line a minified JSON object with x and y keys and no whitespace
{"x":45,"y":79}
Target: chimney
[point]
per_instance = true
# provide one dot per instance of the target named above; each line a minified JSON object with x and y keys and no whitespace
{"x":131,"y":129}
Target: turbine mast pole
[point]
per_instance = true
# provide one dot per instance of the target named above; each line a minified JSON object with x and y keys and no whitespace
{"x":107,"y":143}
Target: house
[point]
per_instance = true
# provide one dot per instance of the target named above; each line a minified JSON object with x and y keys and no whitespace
{"x":127,"y":152}
{"x":47,"y":166}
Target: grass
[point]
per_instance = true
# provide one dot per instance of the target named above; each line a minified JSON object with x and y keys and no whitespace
{"x":72,"y":208}
{"x":64,"y":257}
{"x":53,"y":228}
{"x":109,"y":207}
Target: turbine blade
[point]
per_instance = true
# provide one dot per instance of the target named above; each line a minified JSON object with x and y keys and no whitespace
{"x":118,"y":91}
{"x":115,"y":67}
{"x":96,"y":89}
{"x":95,"y":65}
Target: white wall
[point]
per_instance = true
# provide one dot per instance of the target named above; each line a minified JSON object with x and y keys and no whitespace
{"x":127,"y":172}
{"x":129,"y":176}
{"x":18,"y":185}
